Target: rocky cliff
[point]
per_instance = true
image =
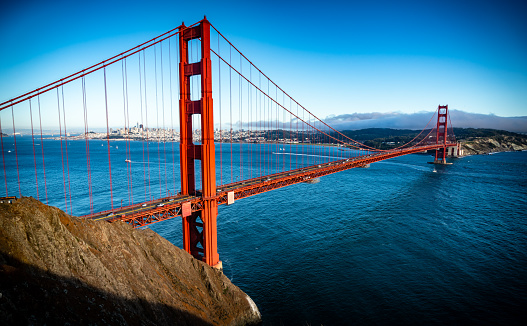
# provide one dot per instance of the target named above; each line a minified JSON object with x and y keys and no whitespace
{"x":485,"y":145}
{"x":59,"y":269}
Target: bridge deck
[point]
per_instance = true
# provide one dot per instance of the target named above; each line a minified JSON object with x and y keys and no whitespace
{"x":165,"y":208}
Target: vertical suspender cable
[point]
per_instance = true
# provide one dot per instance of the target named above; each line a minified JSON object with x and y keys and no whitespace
{"x":263,"y":126}
{"x":271,"y":129}
{"x":451,"y":127}
{"x":240,"y":117}
{"x":66,"y":143}
{"x":147,"y":130}
{"x":251,"y":116}
{"x":142,"y":125}
{"x":290,"y":133}
{"x":284,"y":135}
{"x":313,"y":141}
{"x":108,"y":137}
{"x":163,"y":108}
{"x":280,"y":157}
{"x":274,"y":132}
{"x":86,"y":129}
{"x":303,"y":136}
{"x":125,"y":131}
{"x":3,"y":157}
{"x":265,"y":134}
{"x":230,"y":104}
{"x":268,"y":132}
{"x":16,"y":153}
{"x":62,"y":153}
{"x":322,"y":140}
{"x":259,"y":117}
{"x":318,"y":145}
{"x":128,"y":147}
{"x":33,"y":141}
{"x":249,"y":131}
{"x":172,"y":117}
{"x":300,"y":143}
{"x":326,"y":151}
{"x":221,"y":126}
{"x":157,"y":126}
{"x":277,"y":117}
{"x":42,"y":149}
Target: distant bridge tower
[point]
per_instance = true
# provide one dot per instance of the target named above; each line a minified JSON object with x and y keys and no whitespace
{"x":199,"y":227}
{"x":441,"y":134}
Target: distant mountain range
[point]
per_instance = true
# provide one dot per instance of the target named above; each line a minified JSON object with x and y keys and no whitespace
{"x":417,"y":121}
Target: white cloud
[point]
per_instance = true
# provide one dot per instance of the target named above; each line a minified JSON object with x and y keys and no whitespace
{"x":419,"y":120}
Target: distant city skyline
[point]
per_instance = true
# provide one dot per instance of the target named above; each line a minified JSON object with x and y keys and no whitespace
{"x":355,"y":121}
{"x":336,"y":58}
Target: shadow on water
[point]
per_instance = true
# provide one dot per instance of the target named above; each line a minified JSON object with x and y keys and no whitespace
{"x":32,"y":296}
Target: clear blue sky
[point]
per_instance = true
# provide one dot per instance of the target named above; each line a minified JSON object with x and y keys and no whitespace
{"x":334,"y":57}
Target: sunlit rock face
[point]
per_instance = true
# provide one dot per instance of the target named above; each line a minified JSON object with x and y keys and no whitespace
{"x":59,"y":269}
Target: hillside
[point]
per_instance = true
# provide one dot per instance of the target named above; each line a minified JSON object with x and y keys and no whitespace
{"x":500,"y":143}
{"x":56,"y":270}
{"x":474,"y":141}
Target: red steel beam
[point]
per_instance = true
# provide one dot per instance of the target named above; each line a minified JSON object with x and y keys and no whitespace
{"x":203,"y":243}
{"x":256,"y":186}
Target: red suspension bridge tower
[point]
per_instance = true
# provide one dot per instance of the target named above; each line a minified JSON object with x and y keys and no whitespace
{"x":282,"y":149}
{"x":441,"y":134}
{"x":199,"y":227}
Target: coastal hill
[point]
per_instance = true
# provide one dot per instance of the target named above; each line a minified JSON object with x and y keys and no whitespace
{"x":485,"y":141}
{"x":473,"y":140}
{"x":58,"y":269}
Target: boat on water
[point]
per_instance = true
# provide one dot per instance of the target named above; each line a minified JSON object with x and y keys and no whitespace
{"x":127,"y":161}
{"x":311,"y":180}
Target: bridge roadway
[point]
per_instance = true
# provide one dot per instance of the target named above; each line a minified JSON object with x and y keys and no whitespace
{"x":158,"y":210}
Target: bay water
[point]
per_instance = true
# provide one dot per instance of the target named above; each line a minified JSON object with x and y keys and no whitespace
{"x":402,"y":242}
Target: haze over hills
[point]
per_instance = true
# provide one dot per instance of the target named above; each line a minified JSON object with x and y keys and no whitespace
{"x":416,"y":121}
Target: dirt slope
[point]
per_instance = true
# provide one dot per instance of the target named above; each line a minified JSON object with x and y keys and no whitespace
{"x":58,"y":269}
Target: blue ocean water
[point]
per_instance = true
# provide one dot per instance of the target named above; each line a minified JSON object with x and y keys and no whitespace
{"x":402,"y":242}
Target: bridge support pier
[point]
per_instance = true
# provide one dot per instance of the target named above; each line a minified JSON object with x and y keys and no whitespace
{"x":199,"y":227}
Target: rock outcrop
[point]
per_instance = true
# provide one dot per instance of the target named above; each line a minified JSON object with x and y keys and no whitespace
{"x":485,"y":145}
{"x":59,"y":269}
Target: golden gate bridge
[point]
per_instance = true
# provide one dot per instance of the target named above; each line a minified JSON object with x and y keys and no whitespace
{"x":239,"y":135}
